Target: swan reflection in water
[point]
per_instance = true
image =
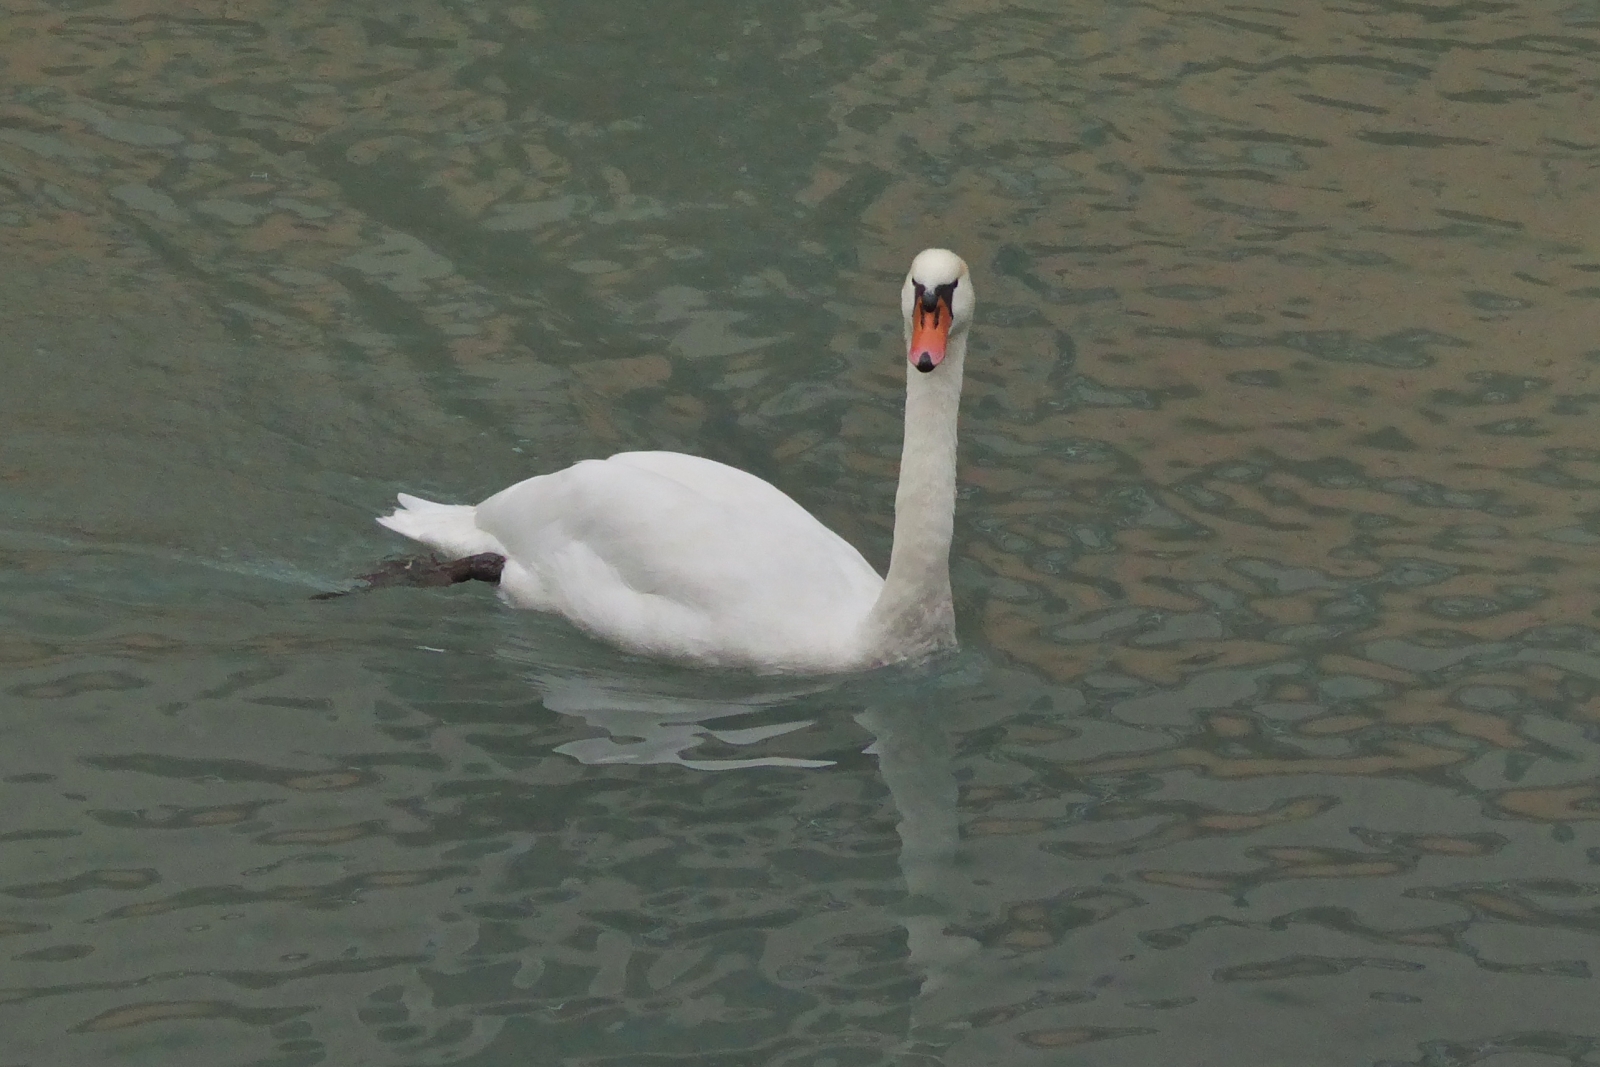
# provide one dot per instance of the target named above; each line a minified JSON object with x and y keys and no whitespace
{"x":652,"y":721}
{"x":642,"y":726}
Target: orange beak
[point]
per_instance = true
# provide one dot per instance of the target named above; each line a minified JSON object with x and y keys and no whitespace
{"x":930,"y":330}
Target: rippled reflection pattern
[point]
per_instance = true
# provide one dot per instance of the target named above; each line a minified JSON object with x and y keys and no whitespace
{"x":1275,"y":737}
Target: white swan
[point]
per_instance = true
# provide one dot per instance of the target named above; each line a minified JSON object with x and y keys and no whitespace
{"x":680,"y":557}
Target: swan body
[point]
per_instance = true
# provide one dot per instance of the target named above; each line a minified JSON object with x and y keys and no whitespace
{"x":671,"y":555}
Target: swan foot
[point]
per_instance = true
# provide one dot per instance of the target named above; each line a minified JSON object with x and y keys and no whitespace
{"x":427,"y":571}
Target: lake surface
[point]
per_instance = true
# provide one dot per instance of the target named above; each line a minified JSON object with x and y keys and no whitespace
{"x":1275,"y":733}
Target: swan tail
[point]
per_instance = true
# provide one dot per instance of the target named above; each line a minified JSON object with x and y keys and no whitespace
{"x":451,"y":528}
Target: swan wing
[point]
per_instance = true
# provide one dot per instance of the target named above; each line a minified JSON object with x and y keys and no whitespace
{"x":710,"y":479}
{"x":670,"y":554}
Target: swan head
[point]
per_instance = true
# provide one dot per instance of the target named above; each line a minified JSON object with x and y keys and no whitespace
{"x":937,"y":302}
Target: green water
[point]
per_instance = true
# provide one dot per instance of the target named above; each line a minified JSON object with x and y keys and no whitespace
{"x":1274,"y":737}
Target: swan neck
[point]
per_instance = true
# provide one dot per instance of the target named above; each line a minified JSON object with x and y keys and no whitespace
{"x":913,"y":614}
